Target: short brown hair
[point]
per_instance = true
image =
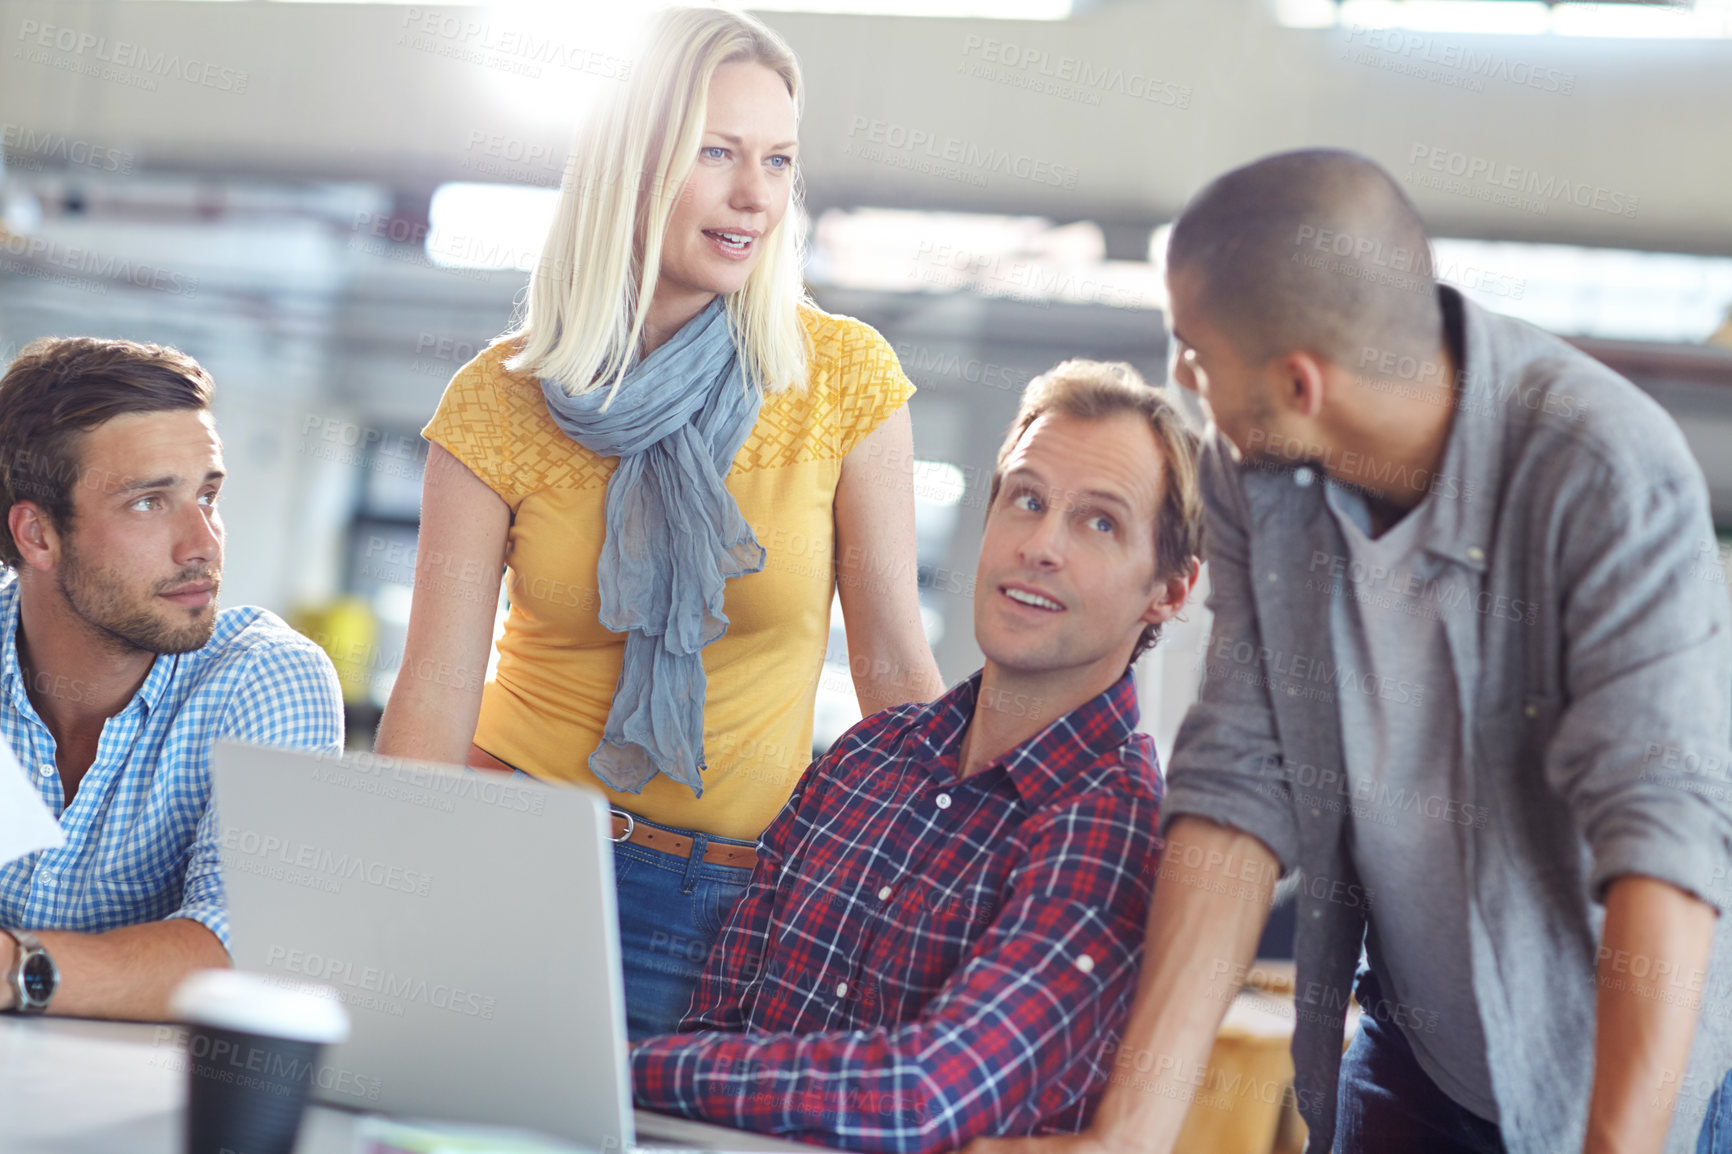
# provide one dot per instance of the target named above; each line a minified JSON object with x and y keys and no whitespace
{"x":60,"y":388}
{"x":1093,"y":390}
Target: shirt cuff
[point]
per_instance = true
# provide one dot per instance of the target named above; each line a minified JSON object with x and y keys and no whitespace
{"x":209,"y":915}
{"x":1267,"y":818}
{"x":664,"y":1073}
{"x":1678,"y":843}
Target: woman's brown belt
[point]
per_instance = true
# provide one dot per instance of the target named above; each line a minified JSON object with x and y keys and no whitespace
{"x":628,"y":829}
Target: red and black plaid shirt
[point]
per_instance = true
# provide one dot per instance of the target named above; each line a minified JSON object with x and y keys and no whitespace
{"x":920,"y":960}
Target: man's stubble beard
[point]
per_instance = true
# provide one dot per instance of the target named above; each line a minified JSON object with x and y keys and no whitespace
{"x":104,"y":602}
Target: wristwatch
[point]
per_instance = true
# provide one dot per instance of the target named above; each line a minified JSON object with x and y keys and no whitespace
{"x":34,"y":977}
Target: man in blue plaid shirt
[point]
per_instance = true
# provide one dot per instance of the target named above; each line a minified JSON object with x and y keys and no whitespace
{"x":117,"y":672}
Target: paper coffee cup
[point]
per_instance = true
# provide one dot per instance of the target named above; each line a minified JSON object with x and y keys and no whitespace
{"x":253,"y":1043}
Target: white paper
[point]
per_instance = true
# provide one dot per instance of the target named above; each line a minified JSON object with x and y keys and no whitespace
{"x":25,"y":823}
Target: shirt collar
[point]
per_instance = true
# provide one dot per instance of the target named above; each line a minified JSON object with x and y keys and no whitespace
{"x":1062,"y":759}
{"x":155,"y":685}
{"x":938,"y":739}
{"x":1471,"y":473}
{"x":10,"y":671}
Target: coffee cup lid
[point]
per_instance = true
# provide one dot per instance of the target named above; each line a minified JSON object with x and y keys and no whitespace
{"x":261,"y":1004}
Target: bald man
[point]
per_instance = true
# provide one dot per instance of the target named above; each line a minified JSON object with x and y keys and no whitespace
{"x":1468,"y":690}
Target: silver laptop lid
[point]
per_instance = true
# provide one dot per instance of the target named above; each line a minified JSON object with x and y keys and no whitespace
{"x":467,"y":919}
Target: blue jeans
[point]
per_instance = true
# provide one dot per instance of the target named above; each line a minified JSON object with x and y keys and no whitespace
{"x":1387,"y":1102}
{"x":671,"y":910}
{"x":1716,"y":1133}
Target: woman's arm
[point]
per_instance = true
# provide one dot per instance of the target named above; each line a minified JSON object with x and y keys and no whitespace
{"x":437,"y":698}
{"x":875,"y":570}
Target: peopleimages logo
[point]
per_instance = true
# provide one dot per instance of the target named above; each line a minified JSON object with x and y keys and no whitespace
{"x":1227,"y":654}
{"x":101,"y":267}
{"x":1480,"y":173}
{"x":391,"y":989}
{"x":901,"y":139}
{"x":1418,"y":48}
{"x":918,"y":359}
{"x":1444,"y":592}
{"x":368,"y":773}
{"x":1064,"y":76}
{"x":125,"y":54}
{"x":520,"y":50}
{"x":268,"y":849}
{"x":1377,"y":801}
{"x":29,"y":148}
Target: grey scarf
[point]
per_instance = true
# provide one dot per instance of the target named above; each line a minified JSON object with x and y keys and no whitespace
{"x":674,"y":536}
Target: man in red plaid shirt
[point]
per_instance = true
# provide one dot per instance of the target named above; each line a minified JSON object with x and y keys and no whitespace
{"x":943,"y":928}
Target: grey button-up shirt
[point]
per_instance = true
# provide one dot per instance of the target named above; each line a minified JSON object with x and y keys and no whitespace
{"x":1594,"y":675}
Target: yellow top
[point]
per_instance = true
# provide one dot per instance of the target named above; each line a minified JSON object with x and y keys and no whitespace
{"x":545,"y":707}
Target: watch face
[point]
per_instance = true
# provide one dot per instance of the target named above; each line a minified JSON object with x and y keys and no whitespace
{"x":39,"y":977}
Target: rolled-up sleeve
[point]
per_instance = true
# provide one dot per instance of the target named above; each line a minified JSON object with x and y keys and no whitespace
{"x":1641,"y":752}
{"x":288,"y":696}
{"x":1226,"y":764}
{"x":201,"y":897}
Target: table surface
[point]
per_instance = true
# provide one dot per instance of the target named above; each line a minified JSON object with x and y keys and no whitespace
{"x":70,"y":1086}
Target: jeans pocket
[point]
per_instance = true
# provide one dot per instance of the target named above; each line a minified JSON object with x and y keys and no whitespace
{"x":623,"y":864}
{"x":717,"y":900}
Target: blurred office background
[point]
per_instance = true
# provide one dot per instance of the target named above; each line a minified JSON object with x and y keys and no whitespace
{"x":331,"y":205}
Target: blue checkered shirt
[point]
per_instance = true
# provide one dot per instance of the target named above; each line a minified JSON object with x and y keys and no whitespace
{"x":141,"y":836}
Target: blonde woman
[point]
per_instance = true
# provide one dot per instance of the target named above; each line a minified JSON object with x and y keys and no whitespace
{"x":676,"y":458}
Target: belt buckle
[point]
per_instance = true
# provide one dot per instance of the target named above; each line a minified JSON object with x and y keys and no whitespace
{"x":630,"y":825}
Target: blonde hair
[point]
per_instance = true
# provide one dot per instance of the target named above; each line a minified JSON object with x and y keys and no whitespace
{"x":584,"y":314}
{"x":1093,"y":390}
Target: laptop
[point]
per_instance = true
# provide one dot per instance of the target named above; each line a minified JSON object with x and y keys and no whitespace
{"x":468,"y":921}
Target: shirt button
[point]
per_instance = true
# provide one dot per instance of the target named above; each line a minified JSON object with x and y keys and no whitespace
{"x":1303,"y":476}
{"x":884,"y":894}
{"x":46,"y":771}
{"x":1316,"y":813}
{"x":1085,"y":963}
{"x":1531,"y":710}
{"x":48,"y":879}
{"x":942,"y":801}
{"x":841,"y":989}
{"x":1475,"y":553}
{"x":1274,"y":576}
